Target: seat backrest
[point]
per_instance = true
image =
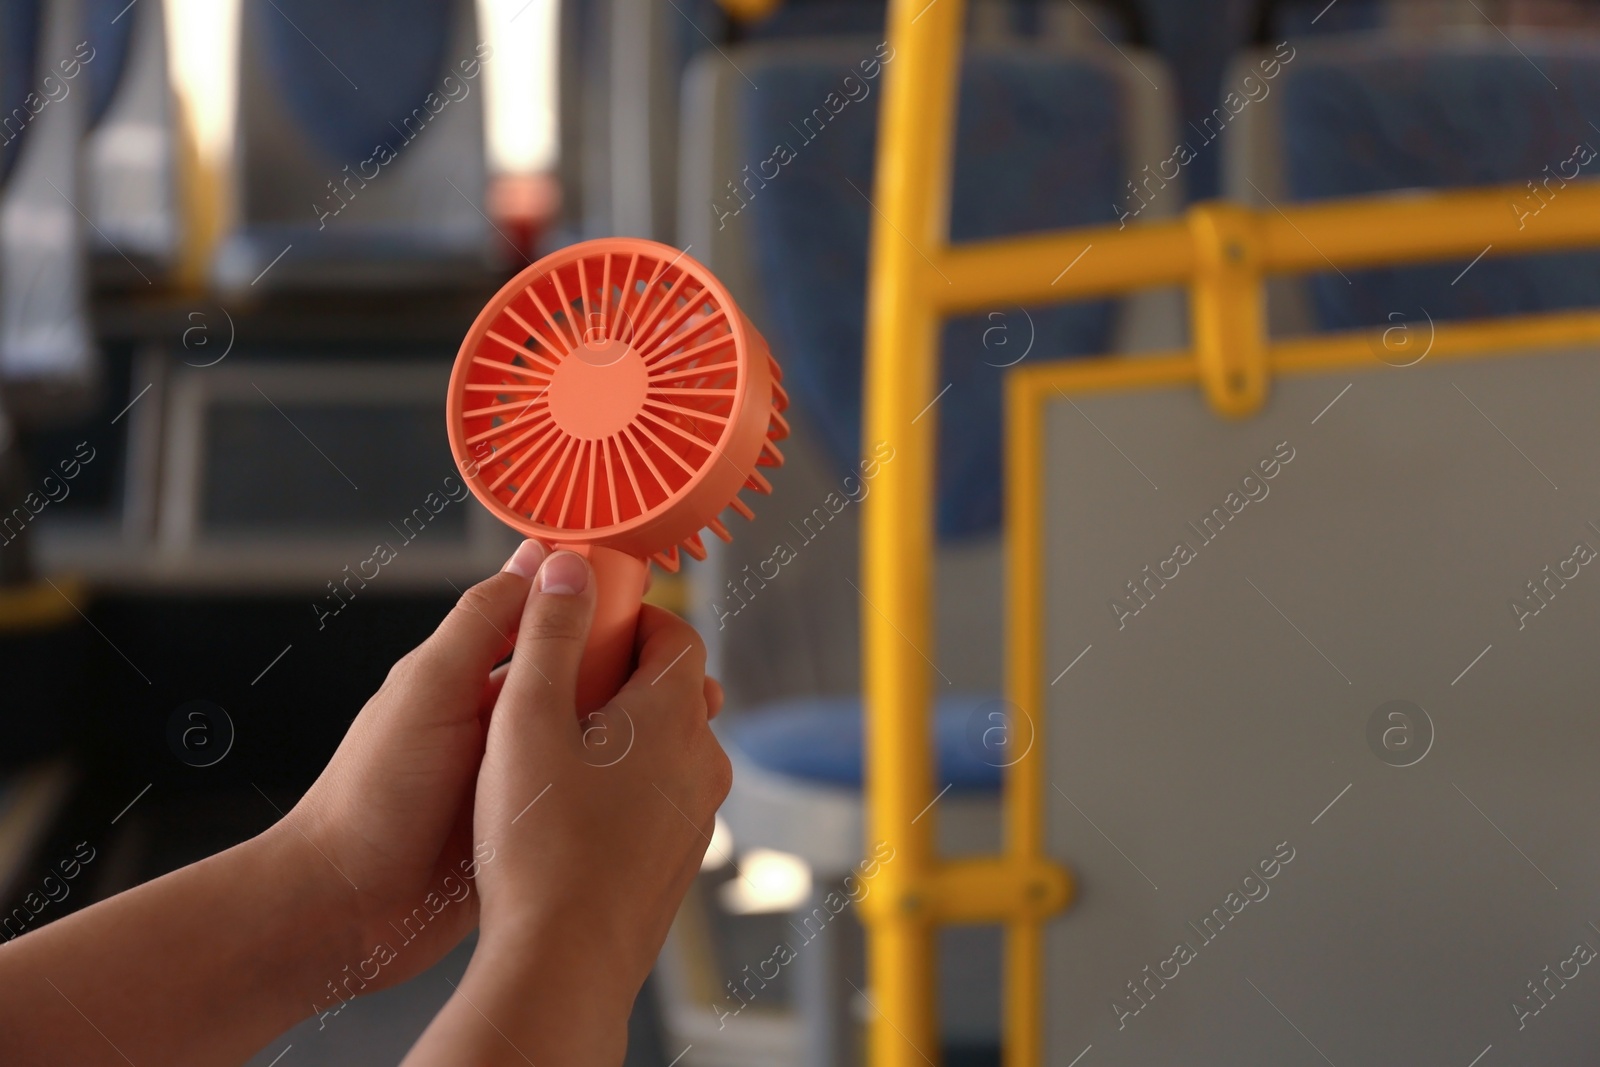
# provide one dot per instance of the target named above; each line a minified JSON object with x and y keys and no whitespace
{"x":1195,"y":39}
{"x":1303,"y":18}
{"x":1074,"y":23}
{"x":360,"y":130}
{"x":629,"y":57}
{"x":110,"y":28}
{"x":130,"y":167}
{"x":1370,"y":114}
{"x":776,"y":190}
{"x":19,"y":49}
{"x":1040,"y":146}
{"x":46,"y":349}
{"x":632,"y":176}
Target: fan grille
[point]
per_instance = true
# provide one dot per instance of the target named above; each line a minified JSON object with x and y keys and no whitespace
{"x":600,"y":388}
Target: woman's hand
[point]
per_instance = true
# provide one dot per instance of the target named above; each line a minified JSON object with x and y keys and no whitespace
{"x":370,"y":878}
{"x":388,"y":823}
{"x":206,"y":964}
{"x":593,"y":845}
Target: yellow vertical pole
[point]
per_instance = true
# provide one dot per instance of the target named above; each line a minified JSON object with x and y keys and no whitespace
{"x":910,"y":226}
{"x":200,"y":199}
{"x":1022,"y":994}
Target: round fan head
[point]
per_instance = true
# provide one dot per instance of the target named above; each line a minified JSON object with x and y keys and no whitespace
{"x":613,"y":394}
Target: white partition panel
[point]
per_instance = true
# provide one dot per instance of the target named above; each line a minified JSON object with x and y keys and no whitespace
{"x":1326,"y":773}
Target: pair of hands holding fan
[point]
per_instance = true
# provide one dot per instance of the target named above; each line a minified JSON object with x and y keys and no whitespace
{"x":463,"y":795}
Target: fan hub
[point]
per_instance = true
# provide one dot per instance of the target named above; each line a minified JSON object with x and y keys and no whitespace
{"x":598,"y":389}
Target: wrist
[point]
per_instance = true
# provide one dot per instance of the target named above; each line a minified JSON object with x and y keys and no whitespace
{"x":570,"y":1001}
{"x":310,"y":931}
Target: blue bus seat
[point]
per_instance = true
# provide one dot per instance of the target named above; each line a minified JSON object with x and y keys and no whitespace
{"x":48,"y":359}
{"x":131,"y":146}
{"x":359,"y":155}
{"x":1367,"y":114}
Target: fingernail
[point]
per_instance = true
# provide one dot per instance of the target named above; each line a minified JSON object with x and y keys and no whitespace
{"x":524,"y":562}
{"x":565,"y":573}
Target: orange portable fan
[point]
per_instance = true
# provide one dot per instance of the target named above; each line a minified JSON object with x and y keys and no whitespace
{"x":612,"y":400}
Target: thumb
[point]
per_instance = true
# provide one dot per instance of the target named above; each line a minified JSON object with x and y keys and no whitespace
{"x":543,"y":678}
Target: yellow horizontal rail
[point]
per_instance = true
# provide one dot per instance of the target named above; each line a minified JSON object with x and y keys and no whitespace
{"x":1350,"y":349}
{"x":38,"y":606}
{"x":1513,"y":335}
{"x":1348,"y":234}
{"x":1047,"y":267}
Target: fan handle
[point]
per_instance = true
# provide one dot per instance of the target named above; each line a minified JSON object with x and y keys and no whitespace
{"x":608,"y":657}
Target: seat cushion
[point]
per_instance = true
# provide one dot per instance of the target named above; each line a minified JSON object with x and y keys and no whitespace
{"x":819,"y":739}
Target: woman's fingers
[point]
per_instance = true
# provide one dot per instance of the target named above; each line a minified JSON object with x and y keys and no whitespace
{"x":671,"y":655}
{"x":543,"y":676}
{"x":491,"y":690}
{"x":448,"y":668}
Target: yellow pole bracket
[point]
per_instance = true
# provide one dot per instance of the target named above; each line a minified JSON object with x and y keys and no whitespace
{"x":1227,"y":307}
{"x":979,"y":890}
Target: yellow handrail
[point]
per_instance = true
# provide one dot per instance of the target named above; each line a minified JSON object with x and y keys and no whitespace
{"x":37,"y":606}
{"x":1349,"y":234}
{"x":1221,"y":252}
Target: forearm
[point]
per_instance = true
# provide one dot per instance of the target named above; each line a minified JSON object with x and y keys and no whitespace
{"x":203,"y":966}
{"x":528,"y":1000}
